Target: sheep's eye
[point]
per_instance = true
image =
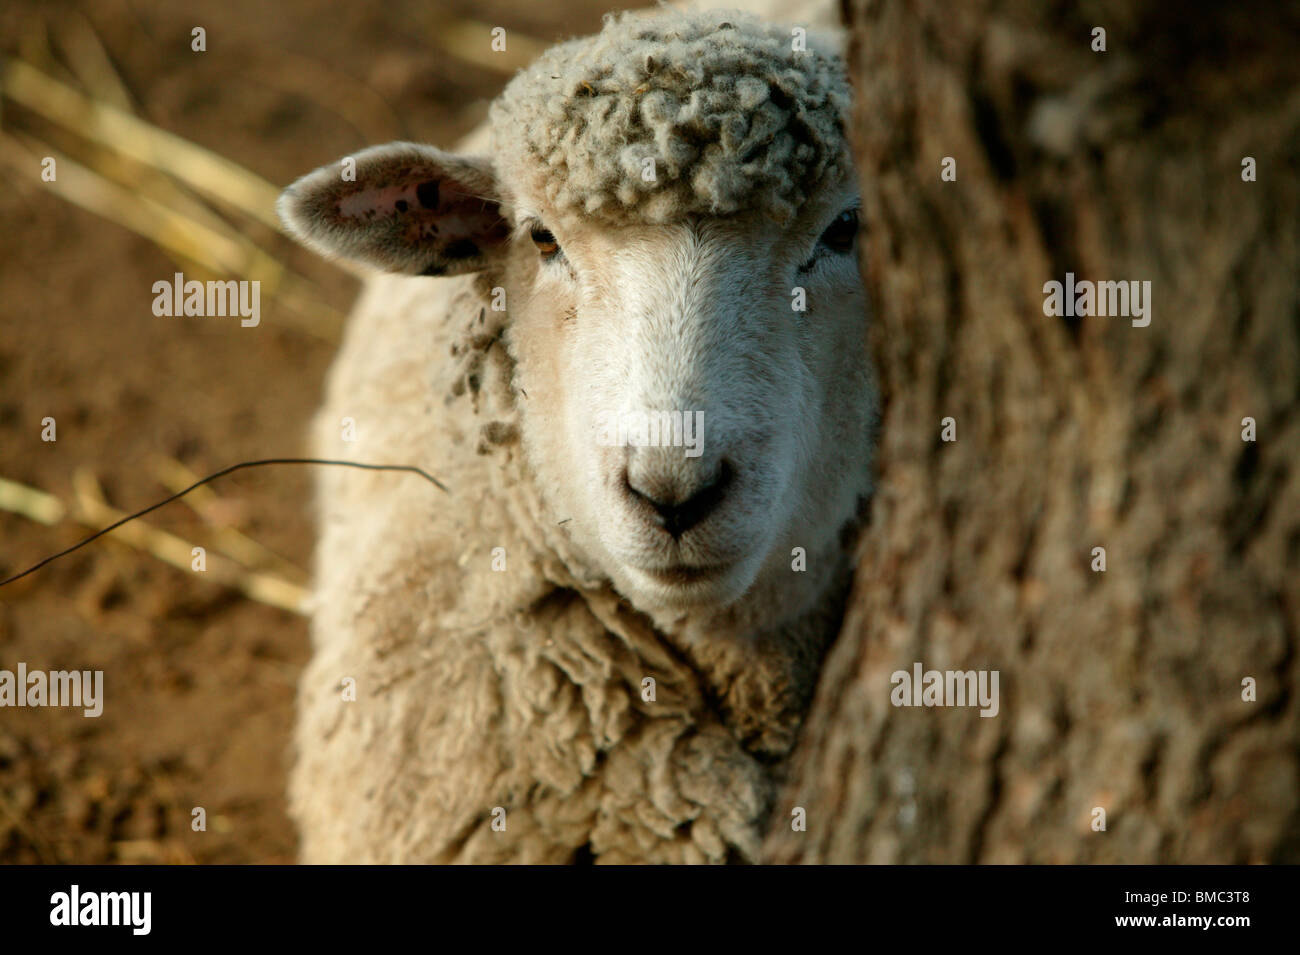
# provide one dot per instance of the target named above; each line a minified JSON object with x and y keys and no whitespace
{"x":544,"y":239}
{"x":839,"y":235}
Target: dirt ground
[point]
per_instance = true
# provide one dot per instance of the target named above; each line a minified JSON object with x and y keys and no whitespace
{"x":198,"y":680}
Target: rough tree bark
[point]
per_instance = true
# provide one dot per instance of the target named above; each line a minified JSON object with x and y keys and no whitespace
{"x":1120,"y":690}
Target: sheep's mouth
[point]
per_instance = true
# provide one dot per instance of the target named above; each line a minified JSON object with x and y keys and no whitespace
{"x":683,"y":575}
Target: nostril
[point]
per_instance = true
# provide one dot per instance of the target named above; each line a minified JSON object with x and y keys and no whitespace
{"x":677,"y":517}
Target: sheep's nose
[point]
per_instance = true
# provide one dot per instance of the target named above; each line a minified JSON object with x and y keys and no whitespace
{"x":674,"y":511}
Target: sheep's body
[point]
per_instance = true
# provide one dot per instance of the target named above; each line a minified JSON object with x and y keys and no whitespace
{"x":478,"y":691}
{"x":521,"y":688}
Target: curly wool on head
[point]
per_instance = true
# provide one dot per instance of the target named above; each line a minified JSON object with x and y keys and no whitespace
{"x":732,"y":115}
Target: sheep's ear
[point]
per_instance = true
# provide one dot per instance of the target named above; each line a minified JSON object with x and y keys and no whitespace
{"x":402,"y":207}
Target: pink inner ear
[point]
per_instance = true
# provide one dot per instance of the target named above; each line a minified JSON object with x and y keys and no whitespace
{"x":375,"y":203}
{"x":423,"y":224}
{"x":456,"y":211}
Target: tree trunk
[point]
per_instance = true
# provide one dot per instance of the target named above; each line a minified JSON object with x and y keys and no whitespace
{"x":1120,"y":690}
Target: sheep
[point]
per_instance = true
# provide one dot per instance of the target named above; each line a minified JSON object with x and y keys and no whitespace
{"x":593,"y":648}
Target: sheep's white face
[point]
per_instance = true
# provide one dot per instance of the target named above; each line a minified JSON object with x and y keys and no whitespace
{"x":695,"y":398}
{"x":698,"y":402}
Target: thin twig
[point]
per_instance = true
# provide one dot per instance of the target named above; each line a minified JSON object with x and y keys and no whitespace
{"x":91,"y":511}
{"x":232,"y":542}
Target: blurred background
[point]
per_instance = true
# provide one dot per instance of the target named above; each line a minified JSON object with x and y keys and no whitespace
{"x":167,"y":160}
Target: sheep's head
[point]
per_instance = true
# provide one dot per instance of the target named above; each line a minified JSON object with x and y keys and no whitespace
{"x":672,"y":215}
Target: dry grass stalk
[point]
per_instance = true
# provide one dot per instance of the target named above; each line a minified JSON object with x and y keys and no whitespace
{"x":91,"y":510}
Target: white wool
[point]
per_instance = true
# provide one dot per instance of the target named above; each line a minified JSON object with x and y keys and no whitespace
{"x":730,"y":112}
